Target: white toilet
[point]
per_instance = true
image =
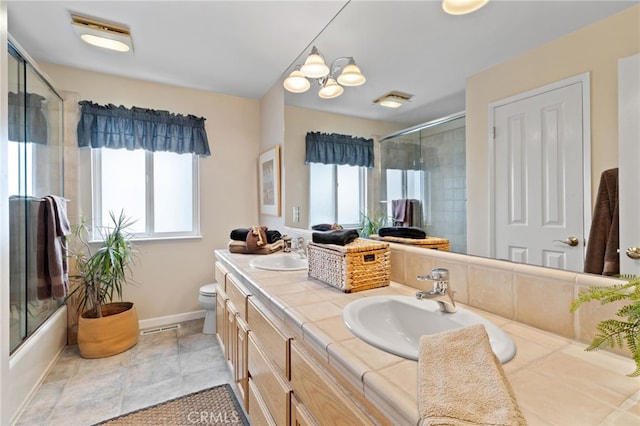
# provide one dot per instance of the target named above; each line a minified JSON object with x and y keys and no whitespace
{"x":207,"y":300}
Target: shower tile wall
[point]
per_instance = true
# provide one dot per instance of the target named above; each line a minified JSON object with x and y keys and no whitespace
{"x":445,"y":187}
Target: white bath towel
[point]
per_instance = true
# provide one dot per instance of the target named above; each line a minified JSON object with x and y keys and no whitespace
{"x":461,"y":381}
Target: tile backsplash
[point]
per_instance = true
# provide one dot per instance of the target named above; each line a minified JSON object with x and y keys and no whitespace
{"x":536,"y":296}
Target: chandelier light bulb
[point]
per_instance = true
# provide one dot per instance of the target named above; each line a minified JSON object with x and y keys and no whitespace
{"x":296,"y":82}
{"x":314,"y":66}
{"x":351,"y":75}
{"x":331,"y":89}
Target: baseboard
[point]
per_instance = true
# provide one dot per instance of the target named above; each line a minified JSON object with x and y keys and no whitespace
{"x":170,"y":319}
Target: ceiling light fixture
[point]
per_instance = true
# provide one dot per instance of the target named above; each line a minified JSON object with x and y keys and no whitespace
{"x":461,"y":7}
{"x":102,"y":34}
{"x":393,"y":99}
{"x":314,"y":67}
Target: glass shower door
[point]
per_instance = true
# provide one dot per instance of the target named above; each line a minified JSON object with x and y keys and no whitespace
{"x":35,"y":170}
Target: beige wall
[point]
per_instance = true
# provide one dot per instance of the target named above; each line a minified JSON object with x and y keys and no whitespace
{"x":272,"y":134}
{"x":595,"y":49}
{"x":299,"y":121}
{"x":170,"y":272}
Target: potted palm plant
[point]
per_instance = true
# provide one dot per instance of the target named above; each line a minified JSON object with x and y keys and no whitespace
{"x":105,"y":327}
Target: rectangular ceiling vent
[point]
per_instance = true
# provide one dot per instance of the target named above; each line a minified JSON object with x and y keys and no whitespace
{"x":95,"y":24}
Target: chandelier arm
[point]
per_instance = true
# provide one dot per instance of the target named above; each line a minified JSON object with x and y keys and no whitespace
{"x":335,"y":67}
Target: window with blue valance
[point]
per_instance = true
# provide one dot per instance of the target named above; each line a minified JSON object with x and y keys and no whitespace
{"x":338,"y":149}
{"x":117,"y":127}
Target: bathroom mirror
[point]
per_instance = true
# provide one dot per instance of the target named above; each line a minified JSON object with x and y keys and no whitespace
{"x":399,"y":37}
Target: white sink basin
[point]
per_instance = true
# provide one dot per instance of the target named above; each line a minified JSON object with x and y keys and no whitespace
{"x":395,"y":324}
{"x":280,"y":262}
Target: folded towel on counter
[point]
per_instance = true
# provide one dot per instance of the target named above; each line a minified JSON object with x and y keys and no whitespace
{"x":326,"y":227}
{"x":256,"y":237}
{"x":240,"y":234}
{"x":340,"y":237}
{"x":461,"y":381}
{"x":402,"y":232}
{"x":235,"y":246}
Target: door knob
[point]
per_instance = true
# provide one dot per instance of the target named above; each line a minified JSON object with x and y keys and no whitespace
{"x":573,"y":241}
{"x":633,"y":252}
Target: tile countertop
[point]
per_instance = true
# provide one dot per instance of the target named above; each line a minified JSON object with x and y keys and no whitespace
{"x":555,"y":381}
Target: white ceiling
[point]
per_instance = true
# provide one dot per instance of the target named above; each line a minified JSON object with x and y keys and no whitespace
{"x":242,"y":48}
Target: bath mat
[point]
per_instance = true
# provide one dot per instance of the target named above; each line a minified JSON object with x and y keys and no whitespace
{"x":213,"y":406}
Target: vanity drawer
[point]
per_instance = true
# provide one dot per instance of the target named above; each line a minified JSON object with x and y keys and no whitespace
{"x":220,"y":273}
{"x":326,"y":402}
{"x":272,"y":341}
{"x":237,"y":295}
{"x":272,"y":387}
{"x":258,"y":410}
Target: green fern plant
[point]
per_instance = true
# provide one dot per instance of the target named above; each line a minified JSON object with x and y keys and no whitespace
{"x":615,"y":332}
{"x":371,"y":224}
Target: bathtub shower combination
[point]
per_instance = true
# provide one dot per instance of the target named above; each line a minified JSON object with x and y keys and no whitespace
{"x":35,"y":171}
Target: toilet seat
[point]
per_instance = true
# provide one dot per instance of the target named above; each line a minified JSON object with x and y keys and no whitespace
{"x":208,"y":290}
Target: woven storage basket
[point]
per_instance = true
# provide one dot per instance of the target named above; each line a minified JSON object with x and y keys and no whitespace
{"x":359,"y":265}
{"x":429,"y":242}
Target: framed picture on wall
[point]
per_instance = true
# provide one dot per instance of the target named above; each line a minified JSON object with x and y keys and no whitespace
{"x":269,"y":176}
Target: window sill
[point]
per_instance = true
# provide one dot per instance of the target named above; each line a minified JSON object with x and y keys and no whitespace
{"x":139,"y":240}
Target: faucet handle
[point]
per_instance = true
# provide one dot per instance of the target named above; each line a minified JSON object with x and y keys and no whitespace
{"x":437,"y":274}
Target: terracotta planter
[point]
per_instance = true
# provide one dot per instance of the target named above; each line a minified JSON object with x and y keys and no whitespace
{"x":112,"y":334}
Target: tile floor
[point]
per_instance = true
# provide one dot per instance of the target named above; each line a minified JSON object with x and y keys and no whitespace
{"x":161,"y":366}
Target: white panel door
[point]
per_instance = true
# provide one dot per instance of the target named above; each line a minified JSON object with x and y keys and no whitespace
{"x":538,"y":179}
{"x":629,"y":159}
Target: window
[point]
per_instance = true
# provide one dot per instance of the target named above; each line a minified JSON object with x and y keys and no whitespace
{"x":404,"y":184}
{"x":20,"y":163}
{"x":337,"y":194}
{"x":157,"y":189}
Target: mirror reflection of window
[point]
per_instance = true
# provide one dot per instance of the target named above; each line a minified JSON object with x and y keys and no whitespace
{"x":336,"y":194}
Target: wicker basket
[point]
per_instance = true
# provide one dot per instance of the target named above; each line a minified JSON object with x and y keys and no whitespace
{"x":429,"y":242}
{"x":359,"y":265}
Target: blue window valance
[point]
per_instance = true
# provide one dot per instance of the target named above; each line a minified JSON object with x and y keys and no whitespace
{"x":109,"y":126}
{"x":27,"y":119}
{"x":338,"y":149}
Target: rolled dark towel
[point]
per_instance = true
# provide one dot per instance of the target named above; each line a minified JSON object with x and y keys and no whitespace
{"x":402,"y":232}
{"x":240,"y":234}
{"x":340,"y":237}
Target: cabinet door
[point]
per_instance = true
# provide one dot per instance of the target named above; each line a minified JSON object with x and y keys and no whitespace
{"x":230,"y":333}
{"x":258,"y":411}
{"x":221,"y":303}
{"x":240,"y":365}
{"x":274,"y":390}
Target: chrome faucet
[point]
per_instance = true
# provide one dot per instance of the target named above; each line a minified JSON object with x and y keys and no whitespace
{"x":439,"y":293}
{"x":300,"y":247}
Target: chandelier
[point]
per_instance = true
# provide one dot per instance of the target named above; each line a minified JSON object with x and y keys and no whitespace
{"x":315,"y":68}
